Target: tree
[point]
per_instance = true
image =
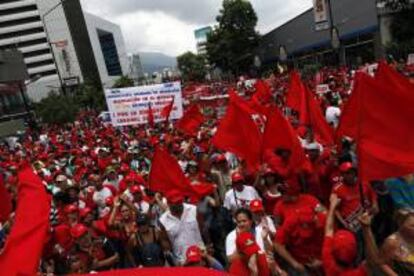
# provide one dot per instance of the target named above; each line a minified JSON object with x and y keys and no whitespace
{"x":192,"y":66}
{"x":231,"y":44}
{"x":57,"y":109}
{"x":123,"y":81}
{"x":90,"y":97}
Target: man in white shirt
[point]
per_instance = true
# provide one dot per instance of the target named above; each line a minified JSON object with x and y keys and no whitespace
{"x":332,"y":114}
{"x":181,"y":224}
{"x":100,"y":194}
{"x":240,"y":195}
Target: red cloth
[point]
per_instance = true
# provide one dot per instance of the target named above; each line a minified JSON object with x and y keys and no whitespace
{"x":302,"y":100}
{"x":382,"y":111}
{"x":239,"y":134}
{"x":302,"y":239}
{"x":263,"y":93}
{"x":5,"y":202}
{"x":239,"y":266}
{"x":332,"y":268}
{"x":166,"y":174}
{"x":191,"y":120}
{"x":164,"y":271}
{"x":166,"y":110}
{"x":280,"y":134}
{"x":285,"y":209}
{"x":351,"y":198}
{"x":28,"y":236}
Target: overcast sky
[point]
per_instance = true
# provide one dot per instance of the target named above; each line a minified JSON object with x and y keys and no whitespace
{"x":168,"y":26}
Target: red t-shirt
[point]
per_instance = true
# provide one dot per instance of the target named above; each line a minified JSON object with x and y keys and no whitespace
{"x":303,"y":241}
{"x":350,"y":198}
{"x":270,"y":201}
{"x":239,"y":267}
{"x":284,"y":209}
{"x":332,"y":268}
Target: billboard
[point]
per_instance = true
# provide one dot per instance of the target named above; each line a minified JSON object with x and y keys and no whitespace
{"x":129,"y":106}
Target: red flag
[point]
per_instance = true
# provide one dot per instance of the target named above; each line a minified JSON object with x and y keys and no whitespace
{"x":239,"y":134}
{"x":191,"y":120}
{"x":166,"y":110}
{"x":5,"y":202}
{"x":150,"y":115}
{"x":24,"y":245}
{"x":302,"y":100}
{"x":166,"y":174}
{"x":263,"y":93}
{"x":280,"y":134}
{"x":296,"y":94}
{"x":385,"y":114}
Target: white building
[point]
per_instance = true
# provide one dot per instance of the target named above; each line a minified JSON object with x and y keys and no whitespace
{"x":62,"y":44}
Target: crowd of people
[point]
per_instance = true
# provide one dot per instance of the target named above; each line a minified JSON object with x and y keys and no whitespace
{"x":318,"y":220}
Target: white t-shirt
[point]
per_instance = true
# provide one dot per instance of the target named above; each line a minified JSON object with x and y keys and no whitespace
{"x":231,"y":237}
{"x":243,"y":198}
{"x":332,"y":115}
{"x":99,"y":197}
{"x":182,"y":232}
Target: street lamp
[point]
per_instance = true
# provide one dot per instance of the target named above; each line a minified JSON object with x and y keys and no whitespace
{"x":334,"y":33}
{"x":51,"y":44}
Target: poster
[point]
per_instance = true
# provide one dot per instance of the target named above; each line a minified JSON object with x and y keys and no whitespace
{"x":320,"y":11}
{"x":130,"y":106}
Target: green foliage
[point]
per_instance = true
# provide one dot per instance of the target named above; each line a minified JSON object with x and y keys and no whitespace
{"x":57,"y":109}
{"x":88,"y":96}
{"x":403,"y":34}
{"x":231,"y":44}
{"x":192,"y":66}
{"x":123,"y":81}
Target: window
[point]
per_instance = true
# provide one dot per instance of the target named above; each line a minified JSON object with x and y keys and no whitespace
{"x":110,"y":53}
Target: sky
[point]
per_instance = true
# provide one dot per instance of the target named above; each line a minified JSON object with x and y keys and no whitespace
{"x":167,"y":26}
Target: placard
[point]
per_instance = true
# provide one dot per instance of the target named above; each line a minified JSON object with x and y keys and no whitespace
{"x":130,"y":106}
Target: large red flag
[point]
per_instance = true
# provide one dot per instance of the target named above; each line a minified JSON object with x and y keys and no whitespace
{"x":280,"y":134}
{"x":295,"y":97}
{"x":24,"y":245}
{"x":191,"y":120}
{"x":166,"y":174}
{"x":166,"y":110}
{"x":239,"y":134}
{"x":263,"y":93}
{"x":300,"y":98}
{"x":385,"y":112}
{"x":5,"y":202}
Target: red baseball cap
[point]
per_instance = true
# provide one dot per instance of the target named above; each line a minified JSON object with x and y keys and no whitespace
{"x":193,"y":255}
{"x":84,"y":212}
{"x":220,"y":158}
{"x":175,"y":197}
{"x":236,"y":177}
{"x":124,"y":168}
{"x":256,"y":206}
{"x":346,"y":166}
{"x":246,"y":244}
{"x":344,"y":246}
{"x":135,"y":190}
{"x":78,"y":230}
{"x":109,"y":201}
{"x":71,"y":209}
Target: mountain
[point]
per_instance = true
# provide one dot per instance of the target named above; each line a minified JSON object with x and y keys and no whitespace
{"x":156,"y":62}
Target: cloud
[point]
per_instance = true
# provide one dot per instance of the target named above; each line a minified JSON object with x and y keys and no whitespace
{"x":168,"y":26}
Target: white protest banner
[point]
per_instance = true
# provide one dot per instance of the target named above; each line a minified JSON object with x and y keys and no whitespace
{"x":129,"y":106}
